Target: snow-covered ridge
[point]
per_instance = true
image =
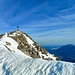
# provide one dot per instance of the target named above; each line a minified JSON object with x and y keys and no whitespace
{"x":16,"y":50}
{"x":19,"y":42}
{"x":10,"y":45}
{"x":14,"y":64}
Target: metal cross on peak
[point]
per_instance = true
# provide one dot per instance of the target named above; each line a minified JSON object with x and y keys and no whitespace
{"x":17,"y":28}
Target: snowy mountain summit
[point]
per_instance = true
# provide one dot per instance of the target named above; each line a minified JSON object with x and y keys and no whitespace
{"x":17,"y":51}
{"x":20,"y":43}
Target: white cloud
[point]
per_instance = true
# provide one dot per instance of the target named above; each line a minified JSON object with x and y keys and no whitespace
{"x":3,"y":24}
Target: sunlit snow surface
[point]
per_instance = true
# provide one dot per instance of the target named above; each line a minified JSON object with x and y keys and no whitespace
{"x":14,"y":64}
{"x":13,"y":45}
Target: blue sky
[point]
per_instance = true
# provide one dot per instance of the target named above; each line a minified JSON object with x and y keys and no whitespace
{"x":48,"y":22}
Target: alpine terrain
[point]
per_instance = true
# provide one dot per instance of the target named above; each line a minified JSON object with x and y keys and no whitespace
{"x":65,"y":53}
{"x":19,"y":42}
{"x":21,"y":55}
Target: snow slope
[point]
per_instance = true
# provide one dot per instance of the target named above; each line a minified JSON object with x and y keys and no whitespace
{"x":15,"y":64}
{"x":13,"y":45}
{"x":22,"y":44}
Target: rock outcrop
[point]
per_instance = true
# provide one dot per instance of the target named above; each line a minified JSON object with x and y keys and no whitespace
{"x":28,"y":46}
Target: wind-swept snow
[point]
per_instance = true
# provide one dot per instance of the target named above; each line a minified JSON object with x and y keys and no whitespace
{"x":22,"y":44}
{"x":12,"y":42}
{"x":12,"y":46}
{"x":14,"y":64}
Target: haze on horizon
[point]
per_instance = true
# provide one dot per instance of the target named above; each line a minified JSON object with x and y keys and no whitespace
{"x":48,"y":22}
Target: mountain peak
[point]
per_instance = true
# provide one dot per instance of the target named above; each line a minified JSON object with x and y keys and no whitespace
{"x":18,"y":41}
{"x":71,"y":45}
{"x":15,"y":32}
{"x":67,"y":47}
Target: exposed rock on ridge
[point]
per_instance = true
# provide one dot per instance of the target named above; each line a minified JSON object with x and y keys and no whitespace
{"x":28,"y":46}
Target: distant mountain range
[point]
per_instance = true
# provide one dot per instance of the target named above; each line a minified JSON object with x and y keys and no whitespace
{"x":65,"y":53}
